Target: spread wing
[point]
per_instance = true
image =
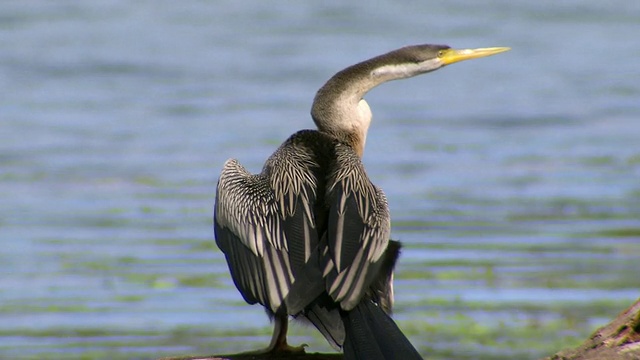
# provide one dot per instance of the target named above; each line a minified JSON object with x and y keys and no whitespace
{"x":358,"y":229}
{"x":265,"y":226}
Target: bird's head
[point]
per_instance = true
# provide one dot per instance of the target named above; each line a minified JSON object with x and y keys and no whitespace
{"x":419,"y":59}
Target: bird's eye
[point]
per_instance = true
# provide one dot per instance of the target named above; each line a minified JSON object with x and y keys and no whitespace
{"x":440,"y":53}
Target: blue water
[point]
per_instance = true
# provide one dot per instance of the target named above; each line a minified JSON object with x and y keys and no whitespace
{"x":116,"y":117}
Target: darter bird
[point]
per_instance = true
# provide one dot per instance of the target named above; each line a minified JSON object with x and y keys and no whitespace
{"x":308,"y":237}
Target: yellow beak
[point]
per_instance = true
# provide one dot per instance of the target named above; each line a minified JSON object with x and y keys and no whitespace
{"x":451,"y":56}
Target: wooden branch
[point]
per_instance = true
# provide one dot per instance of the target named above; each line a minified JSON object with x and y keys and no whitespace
{"x":313,"y":356}
{"x":619,"y":340}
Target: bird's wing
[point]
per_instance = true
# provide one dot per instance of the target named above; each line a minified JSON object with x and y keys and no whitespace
{"x":358,"y":230}
{"x":265,"y":226}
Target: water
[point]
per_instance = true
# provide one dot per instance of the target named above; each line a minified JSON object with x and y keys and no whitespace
{"x":514,"y":181}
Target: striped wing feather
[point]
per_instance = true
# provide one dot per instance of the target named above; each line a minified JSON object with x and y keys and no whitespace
{"x":357,"y":230}
{"x":265,"y":227}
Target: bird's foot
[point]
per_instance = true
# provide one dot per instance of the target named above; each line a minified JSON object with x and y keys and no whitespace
{"x":278,"y":346}
{"x":288,"y":349}
{"x":279,"y":349}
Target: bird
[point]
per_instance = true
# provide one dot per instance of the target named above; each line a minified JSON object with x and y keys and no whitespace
{"x":309,"y":236}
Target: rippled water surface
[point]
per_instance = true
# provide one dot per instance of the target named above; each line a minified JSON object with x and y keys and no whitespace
{"x":513,"y":181}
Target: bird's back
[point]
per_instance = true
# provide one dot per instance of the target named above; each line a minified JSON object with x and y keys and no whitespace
{"x":269,"y":225}
{"x":308,"y":231}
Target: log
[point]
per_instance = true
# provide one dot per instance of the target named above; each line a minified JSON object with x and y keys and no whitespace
{"x":310,"y":356}
{"x":618,"y":340}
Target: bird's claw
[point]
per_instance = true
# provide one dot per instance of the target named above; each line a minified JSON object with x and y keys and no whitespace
{"x":283,"y":348}
{"x":286,"y":348}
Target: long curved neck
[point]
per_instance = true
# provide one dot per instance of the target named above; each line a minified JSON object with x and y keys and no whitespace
{"x":339,"y":108}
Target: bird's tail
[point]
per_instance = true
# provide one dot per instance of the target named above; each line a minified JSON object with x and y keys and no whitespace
{"x":372,"y":335}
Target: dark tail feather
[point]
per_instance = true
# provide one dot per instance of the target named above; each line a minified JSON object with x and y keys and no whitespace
{"x":372,"y":335}
{"x":326,"y":317}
